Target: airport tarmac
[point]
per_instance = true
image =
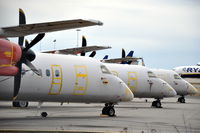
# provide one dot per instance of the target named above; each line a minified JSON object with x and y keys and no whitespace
{"x":136,"y":116}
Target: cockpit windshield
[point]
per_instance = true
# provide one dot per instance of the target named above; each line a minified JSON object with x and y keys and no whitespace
{"x":151,"y":74}
{"x":104,"y":69}
{"x":176,"y":76}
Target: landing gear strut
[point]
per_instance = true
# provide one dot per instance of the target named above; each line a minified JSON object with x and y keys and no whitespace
{"x":109,"y":110}
{"x":181,"y":99}
{"x":156,"y":104}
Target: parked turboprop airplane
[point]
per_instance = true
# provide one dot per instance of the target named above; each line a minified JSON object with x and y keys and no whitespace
{"x":190,"y":74}
{"x":181,"y":86}
{"x":59,"y":78}
{"x":142,"y":82}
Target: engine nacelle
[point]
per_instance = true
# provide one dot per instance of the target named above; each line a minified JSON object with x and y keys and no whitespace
{"x":10,"y":54}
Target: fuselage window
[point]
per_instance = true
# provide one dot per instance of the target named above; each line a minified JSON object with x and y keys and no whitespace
{"x":151,"y":74}
{"x":57,"y":74}
{"x":176,"y":76}
{"x":104,"y":69}
{"x":48,"y":72}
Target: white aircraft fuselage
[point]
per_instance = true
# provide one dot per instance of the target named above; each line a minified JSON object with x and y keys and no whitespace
{"x":181,"y":86}
{"x":67,"y":78}
{"x":142,"y":82}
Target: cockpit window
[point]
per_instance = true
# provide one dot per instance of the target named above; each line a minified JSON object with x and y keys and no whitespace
{"x":176,"y":76}
{"x":151,"y":74}
{"x":104,"y":69}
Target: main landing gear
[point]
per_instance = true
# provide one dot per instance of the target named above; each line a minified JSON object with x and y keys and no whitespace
{"x":181,"y":99}
{"x":156,"y":104}
{"x":109,"y":110}
{"x":21,"y":104}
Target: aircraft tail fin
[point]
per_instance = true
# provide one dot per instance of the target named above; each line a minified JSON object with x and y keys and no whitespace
{"x":130,"y":54}
{"x":105,"y":57}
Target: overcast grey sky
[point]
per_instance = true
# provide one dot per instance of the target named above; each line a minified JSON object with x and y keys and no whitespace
{"x":166,"y":33}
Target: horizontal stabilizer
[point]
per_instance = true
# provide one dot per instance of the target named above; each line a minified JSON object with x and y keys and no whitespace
{"x":27,"y":29}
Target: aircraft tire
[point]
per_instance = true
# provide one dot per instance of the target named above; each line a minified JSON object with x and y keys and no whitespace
{"x":21,"y":104}
{"x":44,"y":114}
{"x":105,"y":110}
{"x":111,"y":111}
{"x":182,"y":100}
{"x":158,"y":104}
{"x":153,"y":104}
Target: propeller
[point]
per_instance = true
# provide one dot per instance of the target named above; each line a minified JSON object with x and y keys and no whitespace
{"x":84,"y":44}
{"x":27,"y":55}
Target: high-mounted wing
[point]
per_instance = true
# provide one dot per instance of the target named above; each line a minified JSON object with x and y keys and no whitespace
{"x":119,"y":60}
{"x":27,"y":29}
{"x":78,"y":50}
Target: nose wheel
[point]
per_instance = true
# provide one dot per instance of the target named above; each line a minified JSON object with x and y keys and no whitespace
{"x":109,"y":110}
{"x":157,"y":104}
{"x":181,"y":99}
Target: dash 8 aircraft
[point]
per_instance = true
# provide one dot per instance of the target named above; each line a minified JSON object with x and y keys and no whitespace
{"x":142,"y":82}
{"x":68,"y":78}
{"x":57,"y":78}
{"x":181,"y":86}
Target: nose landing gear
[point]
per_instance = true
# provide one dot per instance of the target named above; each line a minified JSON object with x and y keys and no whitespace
{"x":109,"y":110}
{"x":157,"y":104}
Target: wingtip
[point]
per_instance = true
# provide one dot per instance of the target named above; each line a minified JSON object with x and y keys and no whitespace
{"x":97,"y":22}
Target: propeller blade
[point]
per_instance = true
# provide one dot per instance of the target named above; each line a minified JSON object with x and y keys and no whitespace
{"x":17,"y":80}
{"x":34,"y":41}
{"x":123,"y":53}
{"x":22,"y":20}
{"x":32,"y":67}
{"x":22,"y":17}
{"x":26,"y":43}
{"x":123,"y":56}
{"x":21,"y":41}
{"x":84,"y":44}
{"x":93,"y":54}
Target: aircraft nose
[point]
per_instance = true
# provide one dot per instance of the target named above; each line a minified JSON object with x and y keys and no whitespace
{"x":191,"y":89}
{"x":171,"y":91}
{"x":128,"y":95}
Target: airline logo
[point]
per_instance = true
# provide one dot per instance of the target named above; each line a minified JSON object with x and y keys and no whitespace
{"x":191,"y":69}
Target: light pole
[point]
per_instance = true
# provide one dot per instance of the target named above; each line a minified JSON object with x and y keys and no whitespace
{"x":77,"y":35}
{"x":54,"y":44}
